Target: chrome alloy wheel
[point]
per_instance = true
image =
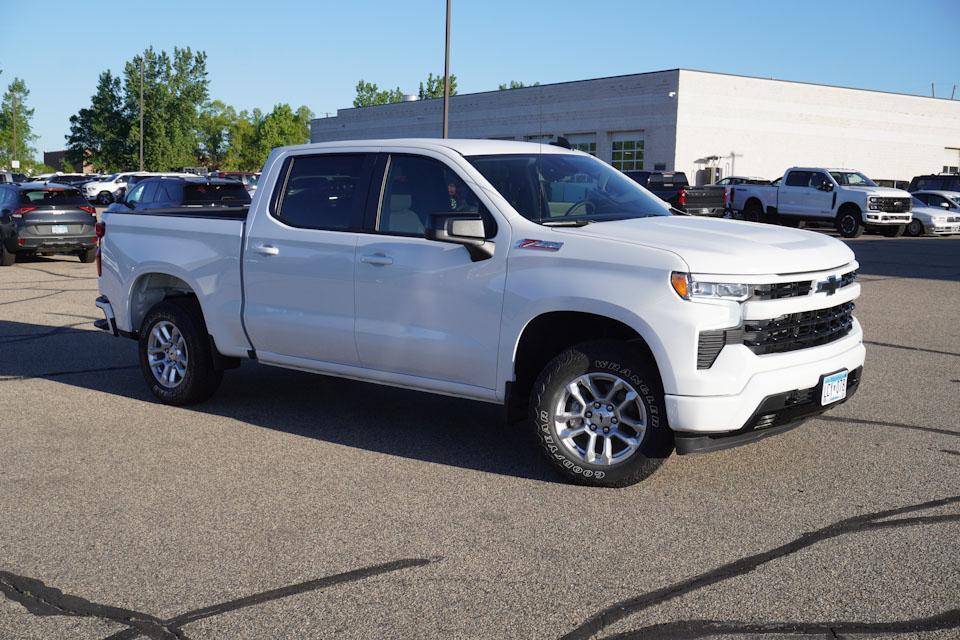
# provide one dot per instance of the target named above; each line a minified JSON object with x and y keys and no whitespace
{"x":600,"y":419}
{"x":167,"y":354}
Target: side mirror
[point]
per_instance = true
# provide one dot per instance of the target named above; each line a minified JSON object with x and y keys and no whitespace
{"x":945,"y":205}
{"x":826,"y":186}
{"x":457,"y":228}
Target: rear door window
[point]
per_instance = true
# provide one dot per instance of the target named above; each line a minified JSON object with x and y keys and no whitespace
{"x":323,"y":191}
{"x":798,"y":179}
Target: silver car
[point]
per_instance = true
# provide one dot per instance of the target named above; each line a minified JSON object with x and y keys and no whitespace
{"x":935,"y":213}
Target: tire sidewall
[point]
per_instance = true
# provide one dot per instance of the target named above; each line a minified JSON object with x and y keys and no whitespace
{"x":627,"y":363}
{"x":200,"y":379}
{"x":857,"y":227}
{"x":914,"y":229}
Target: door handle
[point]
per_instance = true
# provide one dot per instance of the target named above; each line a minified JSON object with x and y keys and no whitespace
{"x":377,"y":259}
{"x":267,"y":250}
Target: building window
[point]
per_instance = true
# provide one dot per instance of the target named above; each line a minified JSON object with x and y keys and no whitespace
{"x":586,"y":147}
{"x":947,"y":169}
{"x":627,"y":155}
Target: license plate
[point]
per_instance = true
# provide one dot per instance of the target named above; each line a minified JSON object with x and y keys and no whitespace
{"x":834,"y":388}
{"x":59,"y":228}
{"x":705,"y":210}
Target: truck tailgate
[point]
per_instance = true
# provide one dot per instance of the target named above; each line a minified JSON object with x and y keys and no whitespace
{"x":204,"y":251}
{"x":705,"y":200}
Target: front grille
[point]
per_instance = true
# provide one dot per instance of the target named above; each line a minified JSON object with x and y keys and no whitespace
{"x":848,"y":278}
{"x":890,"y":205}
{"x":782,"y":290}
{"x":798,"y":330}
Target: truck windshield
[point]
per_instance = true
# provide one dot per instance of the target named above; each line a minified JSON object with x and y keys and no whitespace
{"x":560,"y":188}
{"x":852,"y":179}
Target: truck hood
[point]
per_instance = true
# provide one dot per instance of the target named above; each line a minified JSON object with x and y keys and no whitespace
{"x":727,"y":247}
{"x":883,"y":192}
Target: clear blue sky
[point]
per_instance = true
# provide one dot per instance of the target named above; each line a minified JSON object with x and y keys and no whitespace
{"x":313,"y":52}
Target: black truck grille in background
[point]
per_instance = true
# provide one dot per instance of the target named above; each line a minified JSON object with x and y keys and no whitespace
{"x":892,"y":205}
{"x":798,"y":330}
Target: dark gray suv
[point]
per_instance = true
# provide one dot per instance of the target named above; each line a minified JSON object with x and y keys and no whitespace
{"x":45,"y":218}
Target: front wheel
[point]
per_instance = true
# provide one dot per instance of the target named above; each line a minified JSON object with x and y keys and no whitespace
{"x":176,"y":356}
{"x":893,"y":232}
{"x":599,"y":415}
{"x":105,"y":198}
{"x":849,"y":224}
{"x":914,"y":229}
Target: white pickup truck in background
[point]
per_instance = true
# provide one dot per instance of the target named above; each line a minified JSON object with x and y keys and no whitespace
{"x":507,"y":272}
{"x":847,"y":199}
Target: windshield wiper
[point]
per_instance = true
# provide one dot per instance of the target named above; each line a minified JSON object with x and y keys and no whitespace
{"x":581,"y":222}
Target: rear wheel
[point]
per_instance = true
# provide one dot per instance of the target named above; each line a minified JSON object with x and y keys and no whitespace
{"x":88,"y":255}
{"x":849,"y":224}
{"x":753,"y":211}
{"x":914,"y":229}
{"x":7,"y":258}
{"x":893,"y":232}
{"x":599,"y":415}
{"x":176,"y":356}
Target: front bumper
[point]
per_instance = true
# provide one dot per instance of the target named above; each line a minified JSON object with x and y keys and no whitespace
{"x":944,"y":229}
{"x":880,"y":218}
{"x":776,"y":414}
{"x":702,"y":415}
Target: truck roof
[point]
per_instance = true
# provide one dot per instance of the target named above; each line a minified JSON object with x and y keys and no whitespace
{"x":819,"y":169}
{"x":465,"y":147}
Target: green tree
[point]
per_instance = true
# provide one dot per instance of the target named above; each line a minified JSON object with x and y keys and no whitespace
{"x":369,"y":94}
{"x":516,"y":84}
{"x":213,"y":129}
{"x":17,"y":91}
{"x":99,"y":134}
{"x":434,"y":87}
{"x":253,"y":135}
{"x":174,"y":90}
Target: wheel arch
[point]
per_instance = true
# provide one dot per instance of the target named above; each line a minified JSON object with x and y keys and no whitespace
{"x":548,"y":333}
{"x":150,"y":288}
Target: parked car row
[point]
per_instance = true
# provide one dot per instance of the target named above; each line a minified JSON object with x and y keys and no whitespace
{"x":849,"y":201}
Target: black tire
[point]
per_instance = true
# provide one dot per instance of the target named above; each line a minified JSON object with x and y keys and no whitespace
{"x":893,"y":231}
{"x":7,"y":258}
{"x":914,"y":229}
{"x":87,"y":256}
{"x":105,"y":197}
{"x":849,"y":223}
{"x":753,"y":211}
{"x":200,"y":378}
{"x":603,"y":358}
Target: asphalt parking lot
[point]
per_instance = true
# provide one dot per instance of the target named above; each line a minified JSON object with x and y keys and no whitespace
{"x":297,"y":506}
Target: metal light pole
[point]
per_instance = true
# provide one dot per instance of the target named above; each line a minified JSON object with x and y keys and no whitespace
{"x":13,"y":156}
{"x":446,"y":76}
{"x":141,"y":113}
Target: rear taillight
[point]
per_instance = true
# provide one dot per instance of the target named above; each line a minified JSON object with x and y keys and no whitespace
{"x":682,"y":196}
{"x":18,"y":213}
{"x":88,"y":209}
{"x":101,"y":230}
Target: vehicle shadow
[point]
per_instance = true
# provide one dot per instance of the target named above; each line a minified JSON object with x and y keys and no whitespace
{"x":398,"y":422}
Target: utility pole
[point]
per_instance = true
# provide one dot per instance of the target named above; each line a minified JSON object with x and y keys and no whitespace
{"x":141,"y":113}
{"x":13,"y":155}
{"x":446,"y":75}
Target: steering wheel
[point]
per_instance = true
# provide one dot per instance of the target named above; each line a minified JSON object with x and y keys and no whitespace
{"x":586,"y":204}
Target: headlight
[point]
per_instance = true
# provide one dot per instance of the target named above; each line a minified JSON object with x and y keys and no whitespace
{"x":689,"y":289}
{"x":939,"y":220}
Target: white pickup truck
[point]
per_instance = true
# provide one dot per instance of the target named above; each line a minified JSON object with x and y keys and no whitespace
{"x":847,"y":199}
{"x":521,"y":274}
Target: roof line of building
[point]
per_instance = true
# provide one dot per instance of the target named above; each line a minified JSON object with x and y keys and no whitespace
{"x":648,"y":73}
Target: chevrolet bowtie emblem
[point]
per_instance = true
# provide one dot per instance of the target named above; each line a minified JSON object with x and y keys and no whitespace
{"x":830,"y":285}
